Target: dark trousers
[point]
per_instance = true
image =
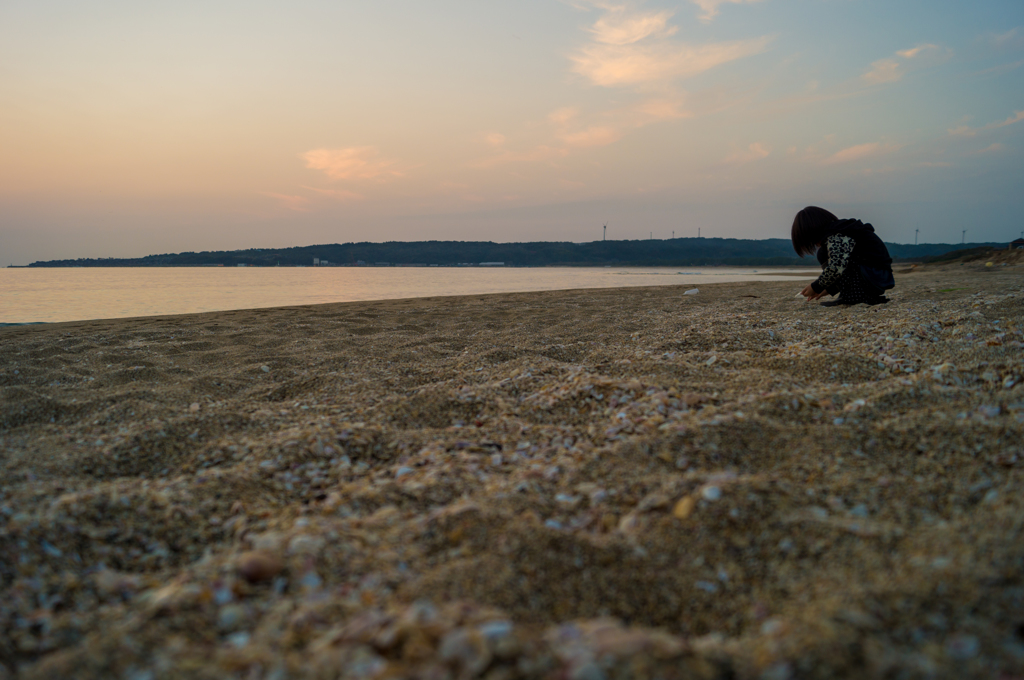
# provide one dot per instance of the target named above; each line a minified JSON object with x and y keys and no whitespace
{"x":854,"y":288}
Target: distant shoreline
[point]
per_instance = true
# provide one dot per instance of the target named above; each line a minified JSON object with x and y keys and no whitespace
{"x":679,"y":252}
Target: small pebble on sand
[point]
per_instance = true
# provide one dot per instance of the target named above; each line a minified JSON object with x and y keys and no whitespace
{"x":258,"y":566}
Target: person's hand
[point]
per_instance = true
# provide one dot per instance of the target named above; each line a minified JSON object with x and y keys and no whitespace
{"x":810,"y":293}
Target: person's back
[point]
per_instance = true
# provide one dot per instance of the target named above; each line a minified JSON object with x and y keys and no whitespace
{"x":855,"y":262}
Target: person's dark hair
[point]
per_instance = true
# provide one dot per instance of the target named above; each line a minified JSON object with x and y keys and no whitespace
{"x":809,"y":227}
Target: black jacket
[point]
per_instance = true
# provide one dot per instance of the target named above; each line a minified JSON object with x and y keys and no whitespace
{"x":869,"y":254}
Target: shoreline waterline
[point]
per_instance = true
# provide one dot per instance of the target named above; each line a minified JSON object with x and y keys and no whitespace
{"x":29,"y":296}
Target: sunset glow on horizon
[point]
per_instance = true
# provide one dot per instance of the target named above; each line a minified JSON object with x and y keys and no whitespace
{"x":127,"y":130}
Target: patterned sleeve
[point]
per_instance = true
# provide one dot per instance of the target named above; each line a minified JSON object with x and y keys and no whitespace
{"x":839,"y":249}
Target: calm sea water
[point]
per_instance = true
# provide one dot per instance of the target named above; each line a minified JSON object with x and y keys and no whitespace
{"x":49,"y":295}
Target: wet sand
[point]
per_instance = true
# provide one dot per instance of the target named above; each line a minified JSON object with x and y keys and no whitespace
{"x":575,"y":484}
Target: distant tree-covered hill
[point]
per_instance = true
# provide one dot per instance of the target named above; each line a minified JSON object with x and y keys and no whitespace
{"x":680,"y":252}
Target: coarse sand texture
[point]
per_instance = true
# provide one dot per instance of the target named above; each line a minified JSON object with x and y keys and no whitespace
{"x":629,"y":483}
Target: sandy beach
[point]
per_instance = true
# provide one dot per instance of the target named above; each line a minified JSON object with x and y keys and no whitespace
{"x":618,"y":483}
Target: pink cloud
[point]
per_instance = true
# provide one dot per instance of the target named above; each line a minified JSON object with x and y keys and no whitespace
{"x":1017,"y":117}
{"x":563,"y":115}
{"x":296,"y":203}
{"x":914,"y":51}
{"x":631,"y":47}
{"x":353,"y":163}
{"x":883,"y":71}
{"x":1010,"y":38}
{"x":653,"y":110}
{"x":340,"y":194}
{"x":754,"y":152}
{"x":710,"y":7}
{"x":858,"y":152}
{"x":619,"y":28}
{"x":539,"y":154}
{"x":962,"y":131}
{"x":965,"y":131}
{"x":610,"y":126}
{"x":890,"y":70}
{"x":991,"y":148}
{"x":627,"y":48}
{"x":592,"y":136}
{"x":495,"y":139}
{"x":612,"y":65}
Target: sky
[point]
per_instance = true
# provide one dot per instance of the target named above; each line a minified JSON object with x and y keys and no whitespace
{"x":131,"y":128}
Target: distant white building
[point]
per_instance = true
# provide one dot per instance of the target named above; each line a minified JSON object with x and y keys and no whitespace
{"x":316,"y":261}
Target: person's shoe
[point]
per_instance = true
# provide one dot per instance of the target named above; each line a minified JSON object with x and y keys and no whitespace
{"x":838,"y":302}
{"x":880,"y":300}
